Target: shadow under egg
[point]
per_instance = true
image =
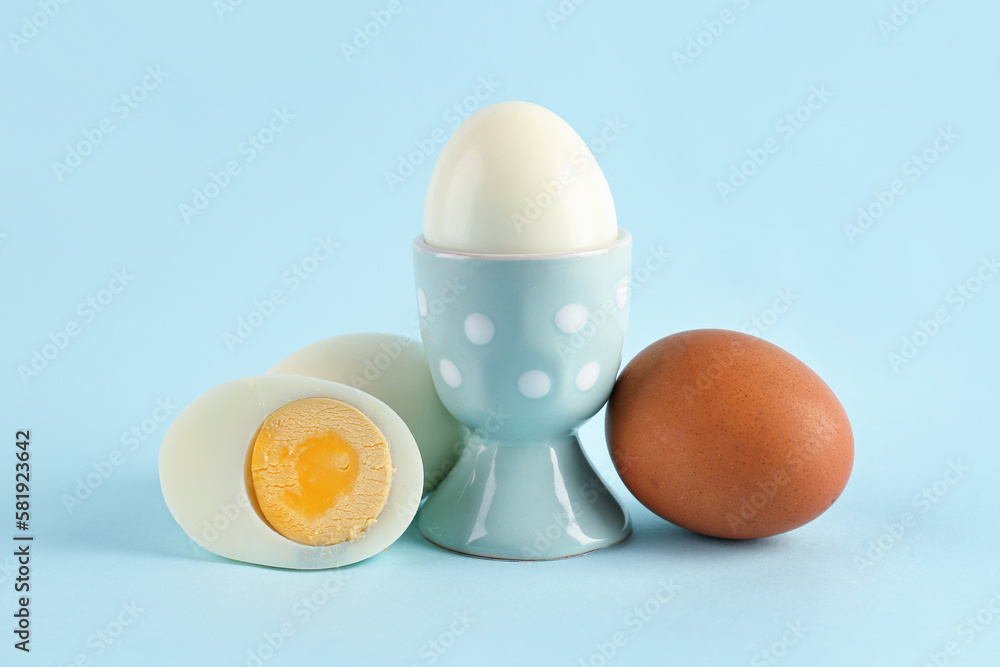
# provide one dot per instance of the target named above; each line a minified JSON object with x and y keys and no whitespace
{"x":653,"y":535}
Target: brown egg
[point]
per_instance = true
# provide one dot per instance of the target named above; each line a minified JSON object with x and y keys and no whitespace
{"x":728,"y":435}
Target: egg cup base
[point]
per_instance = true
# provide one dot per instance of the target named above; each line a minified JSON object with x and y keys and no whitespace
{"x":523,"y":500}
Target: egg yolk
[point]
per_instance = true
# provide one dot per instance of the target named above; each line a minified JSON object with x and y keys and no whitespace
{"x":320,"y":471}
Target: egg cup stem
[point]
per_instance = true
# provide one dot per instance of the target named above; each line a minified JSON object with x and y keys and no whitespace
{"x":523,"y":500}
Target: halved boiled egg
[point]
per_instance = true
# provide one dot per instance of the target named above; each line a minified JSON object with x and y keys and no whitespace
{"x":291,"y":471}
{"x":394,"y":370}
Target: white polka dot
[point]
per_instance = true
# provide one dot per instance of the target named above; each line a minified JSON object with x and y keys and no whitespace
{"x":587,"y":377}
{"x":479,"y":328}
{"x":422,"y":302}
{"x":534,"y":384}
{"x":449,"y":373}
{"x":622,"y":294}
{"x":571,"y":318}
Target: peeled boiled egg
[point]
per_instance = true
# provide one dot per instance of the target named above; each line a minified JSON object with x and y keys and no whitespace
{"x":515,"y":178}
{"x":394,"y":370}
{"x":290,"y":471}
{"x":728,"y":435}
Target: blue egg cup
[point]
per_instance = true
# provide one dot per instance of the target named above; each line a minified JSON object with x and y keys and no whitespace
{"x":523,"y":350}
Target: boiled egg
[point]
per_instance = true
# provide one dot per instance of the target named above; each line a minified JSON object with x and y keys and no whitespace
{"x":515,"y":178}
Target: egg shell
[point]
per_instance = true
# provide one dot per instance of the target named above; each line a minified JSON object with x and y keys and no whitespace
{"x":515,"y":178}
{"x":203,"y":461}
{"x":394,"y":370}
{"x":728,"y":435}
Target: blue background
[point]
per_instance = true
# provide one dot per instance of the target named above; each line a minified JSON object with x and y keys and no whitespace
{"x":687,"y":125}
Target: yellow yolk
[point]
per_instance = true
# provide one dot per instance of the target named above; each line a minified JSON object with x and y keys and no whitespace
{"x":320,"y":470}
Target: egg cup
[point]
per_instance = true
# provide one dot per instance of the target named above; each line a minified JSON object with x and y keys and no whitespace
{"x":523,"y":349}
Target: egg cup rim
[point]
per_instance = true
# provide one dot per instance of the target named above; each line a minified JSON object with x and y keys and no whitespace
{"x":624,"y":238}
